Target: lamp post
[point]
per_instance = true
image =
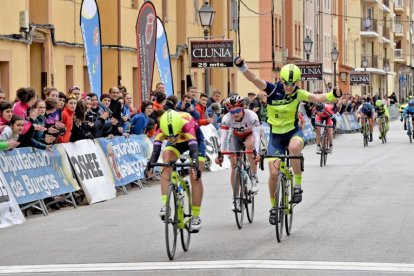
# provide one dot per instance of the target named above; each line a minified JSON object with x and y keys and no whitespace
{"x":206,"y":14}
{"x":307,"y":45}
{"x":334,"y":56}
{"x":386,"y":69}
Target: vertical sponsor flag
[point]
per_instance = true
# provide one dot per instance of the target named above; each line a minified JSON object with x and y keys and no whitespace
{"x":146,"y":29}
{"x":162,"y":57}
{"x":91,"y":34}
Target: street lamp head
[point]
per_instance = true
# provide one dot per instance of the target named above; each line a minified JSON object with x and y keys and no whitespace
{"x":206,"y":14}
{"x":307,"y":44}
{"x":365,"y":62}
{"x":334,"y":54}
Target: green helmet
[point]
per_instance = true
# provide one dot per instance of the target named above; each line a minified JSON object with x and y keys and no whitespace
{"x":171,"y":123}
{"x":290,"y":73}
{"x":378,"y":103}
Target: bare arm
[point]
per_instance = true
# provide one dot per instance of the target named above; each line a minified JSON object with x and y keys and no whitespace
{"x":259,"y":83}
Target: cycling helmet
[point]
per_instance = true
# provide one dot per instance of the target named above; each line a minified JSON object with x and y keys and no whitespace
{"x":319,"y":106}
{"x":234,"y":101}
{"x":378,"y":103}
{"x":171,"y":123}
{"x":290,"y":73}
{"x":411,"y":103}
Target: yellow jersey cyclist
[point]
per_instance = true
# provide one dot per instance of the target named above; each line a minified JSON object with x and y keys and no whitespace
{"x":179,"y":129}
{"x":283,"y":99}
{"x":244,"y":126}
{"x":382,"y":110}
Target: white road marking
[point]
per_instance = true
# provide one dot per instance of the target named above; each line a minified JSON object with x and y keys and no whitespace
{"x":202,"y":265}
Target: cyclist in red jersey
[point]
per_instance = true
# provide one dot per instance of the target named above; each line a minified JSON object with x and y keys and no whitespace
{"x":324,"y":112}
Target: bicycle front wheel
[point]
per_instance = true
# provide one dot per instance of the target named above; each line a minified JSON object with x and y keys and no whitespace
{"x":289,"y":206}
{"x":238,"y":197}
{"x":170,"y":220}
{"x":187,"y":212}
{"x":279,"y":207}
{"x":249,"y":202}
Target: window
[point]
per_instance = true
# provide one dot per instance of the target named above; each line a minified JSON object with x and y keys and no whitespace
{"x":69,"y":77}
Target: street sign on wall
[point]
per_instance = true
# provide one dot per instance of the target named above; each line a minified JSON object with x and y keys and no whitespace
{"x":211,"y":53}
{"x":310,"y":70}
{"x":359,"y":78}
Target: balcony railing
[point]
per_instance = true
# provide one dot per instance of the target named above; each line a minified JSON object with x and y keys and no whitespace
{"x":398,"y":4}
{"x":369,"y":25}
{"x":372,"y":61}
{"x":386,"y":32}
{"x":398,"y":54}
{"x":398,"y":28}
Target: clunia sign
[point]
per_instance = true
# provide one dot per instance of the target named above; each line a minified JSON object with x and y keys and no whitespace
{"x":211,"y":53}
{"x":359,"y":78}
{"x":310,"y":70}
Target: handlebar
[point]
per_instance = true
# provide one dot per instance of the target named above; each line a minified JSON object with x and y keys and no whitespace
{"x":282,"y":157}
{"x":236,"y":152}
{"x":323,"y":125}
{"x":172,"y":164}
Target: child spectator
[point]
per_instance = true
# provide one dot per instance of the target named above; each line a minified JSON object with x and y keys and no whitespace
{"x":67,"y":118}
{"x":140,"y":121}
{"x":26,"y":98}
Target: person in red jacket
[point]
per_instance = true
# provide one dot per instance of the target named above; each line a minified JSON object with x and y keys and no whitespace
{"x":67,"y":118}
{"x":201,"y":107}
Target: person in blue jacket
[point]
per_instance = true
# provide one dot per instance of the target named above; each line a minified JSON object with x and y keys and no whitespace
{"x":140,"y":121}
{"x":408,"y":110}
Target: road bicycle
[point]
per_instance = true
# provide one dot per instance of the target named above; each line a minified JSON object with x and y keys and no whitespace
{"x":178,"y":207}
{"x":324,"y":142}
{"x":243,"y":199}
{"x":382,"y":124}
{"x":365,"y":130}
{"x":283,"y":207}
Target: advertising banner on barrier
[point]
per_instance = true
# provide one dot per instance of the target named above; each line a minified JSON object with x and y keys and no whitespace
{"x":10,"y":213}
{"x":92,"y":170}
{"x":127,"y":157}
{"x":146,"y":30}
{"x":162,"y":57}
{"x":308,"y":132}
{"x":211,"y":139}
{"x":352,"y":122}
{"x":340,"y":125}
{"x":36,"y":174}
{"x":91,"y":34}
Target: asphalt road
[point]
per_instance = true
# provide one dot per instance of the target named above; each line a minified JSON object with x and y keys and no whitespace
{"x":356,"y":218}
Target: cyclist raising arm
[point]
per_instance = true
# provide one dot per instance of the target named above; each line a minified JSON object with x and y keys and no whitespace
{"x":245,"y":128}
{"x":179,"y":129}
{"x":283,"y":99}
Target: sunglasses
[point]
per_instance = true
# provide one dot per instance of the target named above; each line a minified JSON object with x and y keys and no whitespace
{"x":289,"y":83}
{"x":236,"y":111}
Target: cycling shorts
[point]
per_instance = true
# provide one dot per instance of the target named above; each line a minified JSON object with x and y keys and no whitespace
{"x":368,"y":114}
{"x":328,"y":120}
{"x":279,"y":142}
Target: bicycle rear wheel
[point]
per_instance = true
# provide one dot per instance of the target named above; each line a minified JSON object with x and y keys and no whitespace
{"x":185,"y":232}
{"x":249,"y":202}
{"x":323,"y":150}
{"x":170,"y":220}
{"x":289,"y":206}
{"x":279,"y":207}
{"x":238,"y":197}
{"x":326,"y":142}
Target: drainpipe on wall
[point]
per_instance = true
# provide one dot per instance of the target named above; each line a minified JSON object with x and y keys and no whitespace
{"x":119,"y":43}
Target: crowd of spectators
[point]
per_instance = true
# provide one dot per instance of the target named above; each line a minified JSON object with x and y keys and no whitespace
{"x":61,"y":118}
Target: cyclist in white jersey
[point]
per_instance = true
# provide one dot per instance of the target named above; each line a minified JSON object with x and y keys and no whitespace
{"x":244,"y":126}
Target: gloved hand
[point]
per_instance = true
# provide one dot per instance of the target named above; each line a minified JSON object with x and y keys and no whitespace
{"x":240,"y":64}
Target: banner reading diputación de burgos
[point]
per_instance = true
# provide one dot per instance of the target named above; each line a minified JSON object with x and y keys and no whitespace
{"x":92,"y":170}
{"x":91,"y":34}
{"x":36,"y":174}
{"x":127,"y":157}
